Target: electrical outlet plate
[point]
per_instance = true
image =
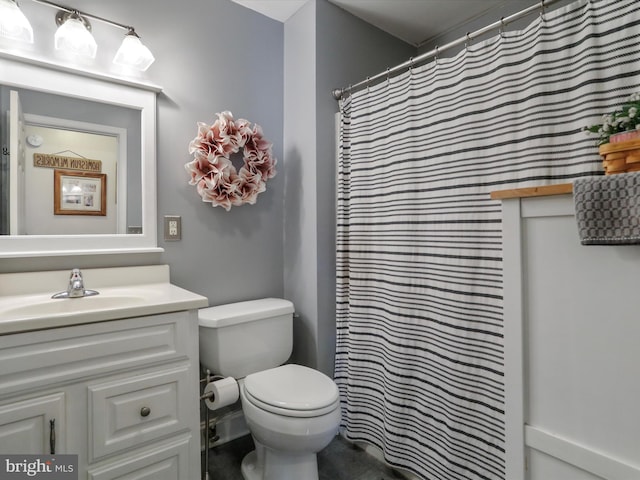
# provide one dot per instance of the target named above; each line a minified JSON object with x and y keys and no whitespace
{"x":172,"y":227}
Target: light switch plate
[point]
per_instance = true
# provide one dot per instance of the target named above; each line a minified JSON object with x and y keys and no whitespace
{"x":172,"y":227}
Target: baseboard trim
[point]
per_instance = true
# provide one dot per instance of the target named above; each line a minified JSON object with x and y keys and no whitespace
{"x":581,"y":456}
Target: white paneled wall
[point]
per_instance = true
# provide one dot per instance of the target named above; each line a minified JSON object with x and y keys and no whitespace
{"x":572,"y":336}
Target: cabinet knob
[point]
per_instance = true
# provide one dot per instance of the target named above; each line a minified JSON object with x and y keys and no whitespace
{"x":145,"y":411}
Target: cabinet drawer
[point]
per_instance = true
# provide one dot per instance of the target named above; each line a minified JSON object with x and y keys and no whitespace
{"x":129,"y":412}
{"x":164,"y":461}
{"x":36,"y":359}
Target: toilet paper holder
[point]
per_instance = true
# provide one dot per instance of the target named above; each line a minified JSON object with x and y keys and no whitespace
{"x":220,"y":392}
{"x":207,"y":396}
{"x":208,"y":378}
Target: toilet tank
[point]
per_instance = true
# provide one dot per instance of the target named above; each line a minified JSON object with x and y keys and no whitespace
{"x":246,"y":337}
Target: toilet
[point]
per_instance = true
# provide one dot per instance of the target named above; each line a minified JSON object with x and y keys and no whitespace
{"x":292,"y":411}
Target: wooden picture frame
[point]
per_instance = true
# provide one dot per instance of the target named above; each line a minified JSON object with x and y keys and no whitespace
{"x":79,"y":193}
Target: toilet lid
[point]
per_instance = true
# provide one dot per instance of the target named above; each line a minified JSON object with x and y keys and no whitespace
{"x":294,"y":388}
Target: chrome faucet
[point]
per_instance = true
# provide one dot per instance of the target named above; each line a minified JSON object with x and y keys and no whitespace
{"x":75,"y":289}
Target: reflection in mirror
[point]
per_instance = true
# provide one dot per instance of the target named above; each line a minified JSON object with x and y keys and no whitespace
{"x":55,"y":132}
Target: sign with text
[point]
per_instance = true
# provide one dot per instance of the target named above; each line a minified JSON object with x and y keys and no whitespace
{"x":68,"y":163}
{"x":39,"y":467}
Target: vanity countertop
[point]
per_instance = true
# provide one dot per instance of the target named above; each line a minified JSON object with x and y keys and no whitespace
{"x":125,"y":292}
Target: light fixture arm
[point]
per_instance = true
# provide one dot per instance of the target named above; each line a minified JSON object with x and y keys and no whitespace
{"x":84,"y":14}
{"x":62,"y":16}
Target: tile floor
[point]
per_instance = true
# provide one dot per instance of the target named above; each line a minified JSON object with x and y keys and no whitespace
{"x":339,"y":461}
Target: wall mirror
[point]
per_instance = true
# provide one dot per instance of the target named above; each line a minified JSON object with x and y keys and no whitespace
{"x":78,"y":165}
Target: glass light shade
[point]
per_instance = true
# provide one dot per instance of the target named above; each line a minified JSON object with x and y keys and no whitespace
{"x":13,"y":23}
{"x":132,"y":53}
{"x":73,"y":37}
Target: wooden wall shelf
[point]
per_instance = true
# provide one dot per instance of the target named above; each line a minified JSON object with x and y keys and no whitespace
{"x":545,"y":190}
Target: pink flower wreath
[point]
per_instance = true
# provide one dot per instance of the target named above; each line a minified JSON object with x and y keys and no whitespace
{"x":212,"y":172}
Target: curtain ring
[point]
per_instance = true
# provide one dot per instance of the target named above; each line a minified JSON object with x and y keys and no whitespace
{"x":368,"y":83}
{"x":542,"y":9}
{"x":467,"y":41}
{"x":410,"y":65}
{"x":502,"y":27}
{"x":436,"y":55}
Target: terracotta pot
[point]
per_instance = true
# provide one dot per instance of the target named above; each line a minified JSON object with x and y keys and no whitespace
{"x":624,"y":136}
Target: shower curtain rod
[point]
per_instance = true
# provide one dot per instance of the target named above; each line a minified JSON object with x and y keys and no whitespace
{"x":339,"y":92}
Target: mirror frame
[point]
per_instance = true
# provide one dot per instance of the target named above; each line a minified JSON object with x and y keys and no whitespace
{"x":52,"y":78}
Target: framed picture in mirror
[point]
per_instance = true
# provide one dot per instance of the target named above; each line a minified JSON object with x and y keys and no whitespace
{"x":79,"y":193}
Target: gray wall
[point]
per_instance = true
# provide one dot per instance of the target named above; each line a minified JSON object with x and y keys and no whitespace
{"x":211,"y":55}
{"x":300,"y":271}
{"x":325,"y":48}
{"x":230,"y":58}
{"x":214,"y":55}
{"x":348,"y":51}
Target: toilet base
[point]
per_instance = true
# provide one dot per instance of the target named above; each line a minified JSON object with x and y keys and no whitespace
{"x":276,"y":465}
{"x":249,"y":467}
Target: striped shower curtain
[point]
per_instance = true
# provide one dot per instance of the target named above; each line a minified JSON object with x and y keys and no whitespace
{"x":419,"y":357}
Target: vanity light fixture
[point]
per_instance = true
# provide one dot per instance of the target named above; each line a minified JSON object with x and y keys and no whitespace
{"x":133,"y":53}
{"x":74,"y":35}
{"x":13,"y":23}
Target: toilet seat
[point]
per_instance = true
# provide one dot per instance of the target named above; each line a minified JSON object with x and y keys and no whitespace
{"x":293,"y":391}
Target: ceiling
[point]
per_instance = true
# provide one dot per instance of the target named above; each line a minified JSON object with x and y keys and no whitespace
{"x":414,"y":21}
{"x":418,"y":21}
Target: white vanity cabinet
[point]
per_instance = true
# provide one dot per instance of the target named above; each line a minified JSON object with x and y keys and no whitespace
{"x":123,"y":395}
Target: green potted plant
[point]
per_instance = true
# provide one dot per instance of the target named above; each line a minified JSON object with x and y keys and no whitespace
{"x":619,"y":137}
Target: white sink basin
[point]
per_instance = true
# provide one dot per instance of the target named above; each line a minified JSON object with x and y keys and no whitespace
{"x":124,"y":292}
{"x":73,"y":305}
